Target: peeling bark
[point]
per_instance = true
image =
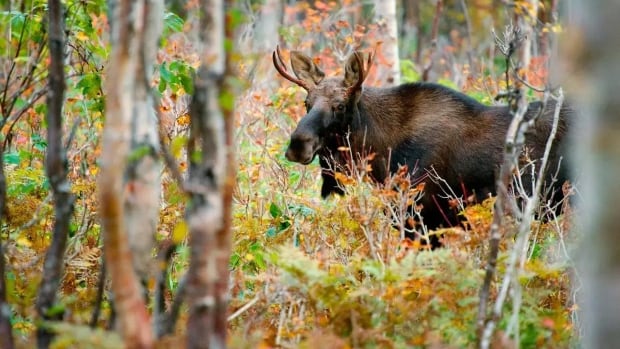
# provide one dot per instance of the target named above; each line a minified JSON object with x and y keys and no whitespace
{"x":143,"y":171}
{"x":129,"y":180}
{"x":211,"y":179}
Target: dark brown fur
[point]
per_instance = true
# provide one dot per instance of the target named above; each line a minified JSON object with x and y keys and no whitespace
{"x":420,"y":125}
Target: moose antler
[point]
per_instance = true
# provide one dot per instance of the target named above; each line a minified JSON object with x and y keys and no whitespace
{"x":363,"y":71}
{"x":281,"y":68}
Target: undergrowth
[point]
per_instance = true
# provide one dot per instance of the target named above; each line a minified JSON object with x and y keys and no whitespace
{"x":306,"y":272}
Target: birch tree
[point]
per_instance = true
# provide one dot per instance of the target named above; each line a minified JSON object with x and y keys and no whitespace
{"x":269,"y":20}
{"x":385,"y":17}
{"x":598,"y":151}
{"x":211,"y":180}
{"x":129,"y":179}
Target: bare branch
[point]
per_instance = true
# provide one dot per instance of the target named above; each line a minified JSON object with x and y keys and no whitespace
{"x":513,"y":145}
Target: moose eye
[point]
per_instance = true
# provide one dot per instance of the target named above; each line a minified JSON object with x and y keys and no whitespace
{"x":340,"y":107}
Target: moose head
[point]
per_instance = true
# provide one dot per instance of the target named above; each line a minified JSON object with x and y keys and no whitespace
{"x":331,"y":103}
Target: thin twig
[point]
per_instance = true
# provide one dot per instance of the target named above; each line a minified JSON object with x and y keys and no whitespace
{"x":33,"y":99}
{"x":518,"y":108}
{"x":159,"y":305}
{"x":99,"y":299}
{"x":244,"y":308}
{"x":169,"y":159}
{"x":175,"y":309}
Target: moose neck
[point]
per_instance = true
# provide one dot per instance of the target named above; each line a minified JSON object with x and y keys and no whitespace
{"x":376,"y":128}
{"x":378,"y":121}
{"x":388,"y":118}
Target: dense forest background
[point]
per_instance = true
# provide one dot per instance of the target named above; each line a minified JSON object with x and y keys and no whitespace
{"x":156,"y":131}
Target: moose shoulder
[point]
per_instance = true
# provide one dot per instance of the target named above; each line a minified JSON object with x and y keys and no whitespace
{"x":421,"y":125}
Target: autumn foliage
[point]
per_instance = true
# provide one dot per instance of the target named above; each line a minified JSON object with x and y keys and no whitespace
{"x":305,"y":272}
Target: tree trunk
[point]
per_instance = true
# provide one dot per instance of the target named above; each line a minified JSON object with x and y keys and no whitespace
{"x":385,"y":15}
{"x":143,"y":171}
{"x":6,"y":334}
{"x":410,"y":31}
{"x":57,"y":169}
{"x":129,"y":179}
{"x":211,"y":179}
{"x":266,"y":35}
{"x":598,"y":153}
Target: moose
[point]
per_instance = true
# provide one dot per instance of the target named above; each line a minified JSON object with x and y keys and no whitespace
{"x":423,"y":126}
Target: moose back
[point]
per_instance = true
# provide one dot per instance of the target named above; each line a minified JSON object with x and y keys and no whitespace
{"x":421,"y":125}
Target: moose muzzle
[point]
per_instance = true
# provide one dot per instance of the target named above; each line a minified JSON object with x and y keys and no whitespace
{"x":302,"y":148}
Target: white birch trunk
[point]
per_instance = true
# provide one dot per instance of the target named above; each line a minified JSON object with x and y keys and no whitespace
{"x":598,"y":151}
{"x":129,"y":179}
{"x":143,"y":172}
{"x":385,"y":15}
{"x":266,"y":36}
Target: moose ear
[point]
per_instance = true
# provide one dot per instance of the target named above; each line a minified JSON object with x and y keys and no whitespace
{"x":354,"y":69}
{"x":305,"y":69}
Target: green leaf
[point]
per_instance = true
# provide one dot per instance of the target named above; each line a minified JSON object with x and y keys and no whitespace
{"x":178,"y":67}
{"x":177,"y":144}
{"x":187,"y":83}
{"x":164,"y":73}
{"x":38,"y":142}
{"x":12,"y":158}
{"x":90,"y":84}
{"x":274,"y":210}
{"x":447,"y":83}
{"x":227,"y":100}
{"x":138,"y":153}
{"x":260,"y":261}
{"x":20,"y":103}
{"x":235,"y":260}
{"x":196,"y":157}
{"x":162,"y":86}
{"x":255,"y":247}
{"x":408,"y":71}
{"x":172,"y":22}
{"x":284,"y":225}
{"x":237,"y":17}
{"x":293,"y":176}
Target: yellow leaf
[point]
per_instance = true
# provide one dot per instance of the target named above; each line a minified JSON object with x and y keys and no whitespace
{"x":183,"y":120}
{"x":180,"y":232}
{"x":23,"y":242}
{"x":343,"y":179}
{"x":81,"y":36}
